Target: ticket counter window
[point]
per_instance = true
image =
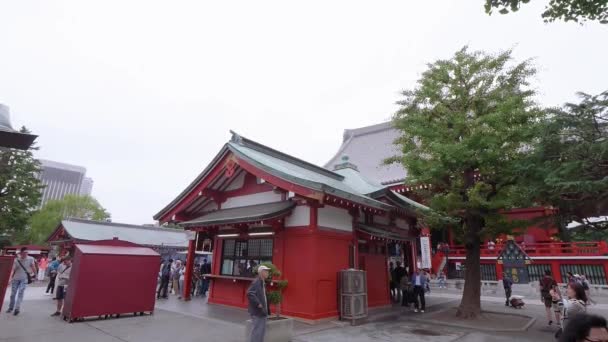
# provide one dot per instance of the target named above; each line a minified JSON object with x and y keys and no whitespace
{"x":241,"y":257}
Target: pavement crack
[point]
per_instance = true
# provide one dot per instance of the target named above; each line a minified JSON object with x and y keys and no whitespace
{"x":105,"y":332}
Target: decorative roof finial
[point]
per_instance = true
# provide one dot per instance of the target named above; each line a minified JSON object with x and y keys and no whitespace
{"x":345,"y":164}
{"x":236,"y":138}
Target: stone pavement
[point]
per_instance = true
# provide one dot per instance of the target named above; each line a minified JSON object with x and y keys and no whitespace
{"x":175,"y":320}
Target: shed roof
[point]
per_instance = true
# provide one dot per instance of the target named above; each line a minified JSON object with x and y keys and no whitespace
{"x":116,"y":250}
{"x":87,"y":230}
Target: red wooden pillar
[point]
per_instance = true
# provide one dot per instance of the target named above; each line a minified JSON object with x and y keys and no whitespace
{"x":189,"y":269}
{"x":216,"y":265}
{"x":556,"y":271}
{"x":499,"y":271}
{"x":414,"y":256}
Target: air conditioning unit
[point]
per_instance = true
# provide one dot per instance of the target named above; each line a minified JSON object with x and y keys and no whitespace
{"x":354,"y":306}
{"x":353,"y":282}
{"x":353,"y":295}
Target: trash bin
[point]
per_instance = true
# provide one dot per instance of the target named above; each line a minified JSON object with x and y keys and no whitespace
{"x":109,"y":279}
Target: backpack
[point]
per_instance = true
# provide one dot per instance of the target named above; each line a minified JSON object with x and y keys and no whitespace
{"x":166,"y":272}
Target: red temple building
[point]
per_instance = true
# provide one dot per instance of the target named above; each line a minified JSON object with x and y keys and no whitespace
{"x":368,"y":146}
{"x":255,"y":204}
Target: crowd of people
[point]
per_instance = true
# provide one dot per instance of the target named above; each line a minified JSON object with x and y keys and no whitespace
{"x":171,"y":279}
{"x":26,"y":270}
{"x":409,"y":288}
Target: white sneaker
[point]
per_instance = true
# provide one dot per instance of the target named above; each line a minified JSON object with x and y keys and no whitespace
{"x":422,"y":311}
{"x":415,"y":310}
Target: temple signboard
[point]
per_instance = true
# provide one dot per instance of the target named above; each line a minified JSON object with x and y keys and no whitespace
{"x":515,"y":260}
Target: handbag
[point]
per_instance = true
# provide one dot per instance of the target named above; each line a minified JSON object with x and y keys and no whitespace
{"x":29,"y":276}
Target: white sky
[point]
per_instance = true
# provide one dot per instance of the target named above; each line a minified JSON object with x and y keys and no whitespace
{"x":143,"y":93}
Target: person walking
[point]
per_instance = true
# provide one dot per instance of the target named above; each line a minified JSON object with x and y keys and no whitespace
{"x":442,"y":280}
{"x":546,"y":284}
{"x":24,"y":269}
{"x":507,"y":284}
{"x":258,"y":304}
{"x":398,"y":273}
{"x":177,"y":266}
{"x":63,"y":277}
{"x":182,"y":277}
{"x":42,"y":267}
{"x":419,"y":281}
{"x":53,"y":267}
{"x":165,"y":277}
{"x":406,"y":288}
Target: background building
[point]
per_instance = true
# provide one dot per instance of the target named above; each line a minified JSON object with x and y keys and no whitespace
{"x":86,"y":187}
{"x":61,"y":179}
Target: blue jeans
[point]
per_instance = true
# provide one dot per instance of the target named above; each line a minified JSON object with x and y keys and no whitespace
{"x":17,"y":289}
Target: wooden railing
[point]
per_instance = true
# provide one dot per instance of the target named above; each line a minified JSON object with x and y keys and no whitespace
{"x":543,"y":249}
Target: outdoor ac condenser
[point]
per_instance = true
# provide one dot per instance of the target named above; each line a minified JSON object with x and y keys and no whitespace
{"x":353,"y":295}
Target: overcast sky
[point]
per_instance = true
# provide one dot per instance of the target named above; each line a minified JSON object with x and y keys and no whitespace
{"x":143,"y":93}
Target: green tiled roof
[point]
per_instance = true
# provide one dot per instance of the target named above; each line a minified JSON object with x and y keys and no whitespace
{"x":258,"y":212}
{"x":346,"y":182}
{"x":301,"y":173}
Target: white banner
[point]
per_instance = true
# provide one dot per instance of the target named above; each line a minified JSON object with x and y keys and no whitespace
{"x":425,"y":252}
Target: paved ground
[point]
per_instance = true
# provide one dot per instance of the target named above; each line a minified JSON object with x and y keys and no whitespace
{"x":175,"y":320}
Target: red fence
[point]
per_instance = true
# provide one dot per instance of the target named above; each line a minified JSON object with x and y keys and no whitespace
{"x":544,"y":249}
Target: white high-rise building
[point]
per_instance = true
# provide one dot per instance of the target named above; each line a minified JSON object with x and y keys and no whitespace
{"x":86,"y":188}
{"x":60,"y":179}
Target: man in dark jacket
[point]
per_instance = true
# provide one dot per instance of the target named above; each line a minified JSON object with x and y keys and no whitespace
{"x":258,"y":305}
{"x":398,"y":273}
{"x":507,"y":283}
{"x":205,"y":269}
{"x":165,"y":276}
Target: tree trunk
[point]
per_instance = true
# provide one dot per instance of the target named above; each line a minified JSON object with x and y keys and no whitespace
{"x":470,"y":304}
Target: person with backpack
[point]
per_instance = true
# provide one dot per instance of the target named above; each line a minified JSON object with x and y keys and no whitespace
{"x":546,"y":284}
{"x":165,"y":277}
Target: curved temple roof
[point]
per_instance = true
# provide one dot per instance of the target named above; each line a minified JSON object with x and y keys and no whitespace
{"x":344,"y":182}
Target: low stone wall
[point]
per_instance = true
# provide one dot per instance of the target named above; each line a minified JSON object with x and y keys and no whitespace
{"x":489,"y":287}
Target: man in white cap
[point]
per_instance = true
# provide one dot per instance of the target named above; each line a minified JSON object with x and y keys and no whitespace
{"x":258,"y":305}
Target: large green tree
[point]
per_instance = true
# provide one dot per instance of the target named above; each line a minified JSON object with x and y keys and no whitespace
{"x":465,"y":129}
{"x":46,"y":219}
{"x":566,"y":10}
{"x":19,"y":189}
{"x":569,"y":166}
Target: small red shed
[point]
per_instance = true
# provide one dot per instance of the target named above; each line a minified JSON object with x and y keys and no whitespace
{"x":6,"y":267}
{"x":111,"y":277}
